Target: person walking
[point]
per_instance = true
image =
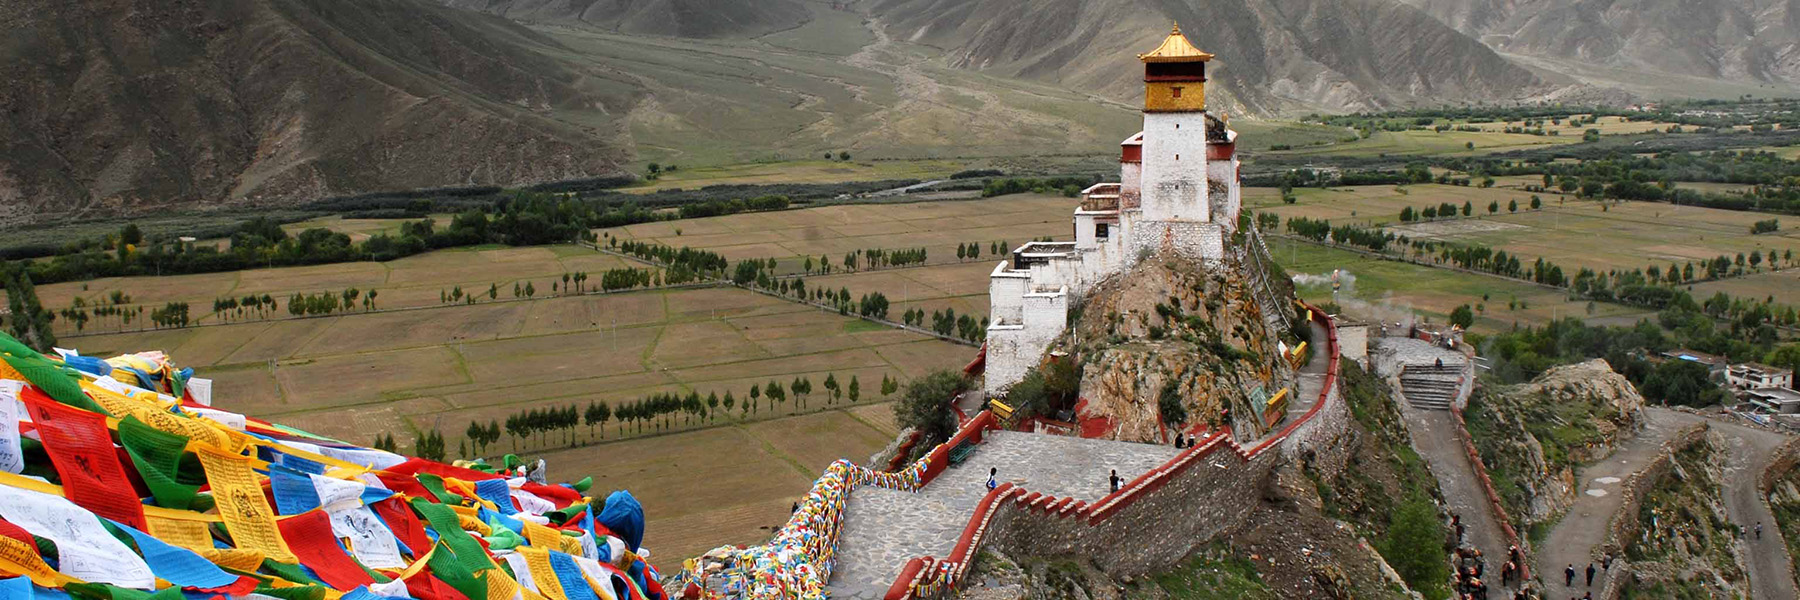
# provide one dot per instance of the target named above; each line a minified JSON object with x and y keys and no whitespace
{"x":1759,"y":530}
{"x":1569,"y":575}
{"x":1590,"y":574}
{"x":993,"y":473}
{"x":1178,"y":441}
{"x":1115,"y":480}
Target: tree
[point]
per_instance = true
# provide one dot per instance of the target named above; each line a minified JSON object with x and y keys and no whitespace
{"x":493,"y":291}
{"x":1536,"y":203}
{"x":855,"y":390}
{"x":889,"y":385}
{"x":831,"y":388}
{"x":1415,"y":546}
{"x":925,"y":406}
{"x":1494,"y":207}
{"x":845,"y":155}
{"x":1512,"y":206}
{"x":530,"y":290}
{"x":1467,"y":208}
{"x":1462,"y":316}
{"x":712,"y":404}
{"x":729,"y":401}
{"x":1682,"y":382}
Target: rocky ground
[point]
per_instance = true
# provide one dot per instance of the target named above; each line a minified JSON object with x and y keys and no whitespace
{"x":1532,"y":436}
{"x":1170,"y":329}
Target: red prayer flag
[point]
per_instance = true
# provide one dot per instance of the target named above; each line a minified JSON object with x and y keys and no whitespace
{"x":405,"y":525}
{"x":81,"y":448}
{"x":309,"y":536}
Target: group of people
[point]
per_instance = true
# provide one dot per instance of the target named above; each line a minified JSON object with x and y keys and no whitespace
{"x":1471,"y":567}
{"x":1569,"y":574}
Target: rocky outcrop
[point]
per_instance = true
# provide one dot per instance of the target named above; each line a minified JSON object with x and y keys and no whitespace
{"x":1531,"y":436}
{"x":1169,"y":329}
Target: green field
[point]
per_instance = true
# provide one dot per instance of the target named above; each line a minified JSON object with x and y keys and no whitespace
{"x":1570,"y":232}
{"x":1385,"y":290}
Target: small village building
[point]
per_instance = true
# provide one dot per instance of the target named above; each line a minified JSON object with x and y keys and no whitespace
{"x":1752,"y":376}
{"x":1781,"y":401}
{"x":1714,"y":363}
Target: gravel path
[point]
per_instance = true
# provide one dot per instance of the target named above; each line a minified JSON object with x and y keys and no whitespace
{"x":1583,"y":527}
{"x":1434,"y":436}
{"x":1749,"y":454}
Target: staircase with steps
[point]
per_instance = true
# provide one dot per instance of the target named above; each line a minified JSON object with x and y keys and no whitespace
{"x":1431,"y":387}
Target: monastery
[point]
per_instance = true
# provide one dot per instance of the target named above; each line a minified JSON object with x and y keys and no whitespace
{"x":1178,"y":193}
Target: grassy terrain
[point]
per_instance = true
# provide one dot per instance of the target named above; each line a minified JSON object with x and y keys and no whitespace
{"x":725,"y":485}
{"x":1386,"y":290}
{"x":1568,"y":231}
{"x":1429,"y":143}
{"x":414,"y":281}
{"x":354,"y":376}
{"x":939,"y":227}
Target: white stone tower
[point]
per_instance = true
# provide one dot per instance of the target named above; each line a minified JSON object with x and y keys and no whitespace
{"x":1173,"y":182}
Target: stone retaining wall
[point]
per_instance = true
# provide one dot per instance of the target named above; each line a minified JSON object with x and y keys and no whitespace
{"x":1624,"y":525}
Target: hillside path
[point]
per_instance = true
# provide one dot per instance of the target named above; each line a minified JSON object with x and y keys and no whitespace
{"x":1749,"y":454}
{"x":1573,"y":540}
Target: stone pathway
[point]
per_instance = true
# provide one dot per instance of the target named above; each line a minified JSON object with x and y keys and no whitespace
{"x":885,"y":528}
{"x":1749,"y":454}
{"x":1584,"y":526}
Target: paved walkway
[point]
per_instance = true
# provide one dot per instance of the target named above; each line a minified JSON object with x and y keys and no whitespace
{"x":1308,"y":384}
{"x":885,"y":528}
{"x":1749,"y":454}
{"x":1584,"y":526}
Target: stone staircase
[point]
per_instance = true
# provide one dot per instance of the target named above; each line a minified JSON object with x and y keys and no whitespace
{"x":1431,"y":387}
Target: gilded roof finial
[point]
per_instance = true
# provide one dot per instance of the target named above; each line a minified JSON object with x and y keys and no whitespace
{"x":1177,"y":30}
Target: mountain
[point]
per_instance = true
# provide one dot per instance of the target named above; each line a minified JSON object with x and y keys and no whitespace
{"x":680,"y":18}
{"x":127,"y":105}
{"x":1274,"y":56}
{"x":1732,"y":40}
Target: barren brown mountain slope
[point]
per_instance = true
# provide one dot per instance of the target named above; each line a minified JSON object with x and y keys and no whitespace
{"x":1275,"y":56}
{"x":682,"y":18}
{"x":126,"y":104}
{"x":1733,"y":40}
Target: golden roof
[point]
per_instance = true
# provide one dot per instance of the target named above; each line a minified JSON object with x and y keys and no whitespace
{"x":1176,"y":48}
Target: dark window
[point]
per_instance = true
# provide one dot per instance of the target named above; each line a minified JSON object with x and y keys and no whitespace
{"x":1100,"y":231}
{"x":1176,"y":91}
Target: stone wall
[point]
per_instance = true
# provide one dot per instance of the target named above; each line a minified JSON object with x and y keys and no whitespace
{"x":1194,"y":241}
{"x":1624,"y":525}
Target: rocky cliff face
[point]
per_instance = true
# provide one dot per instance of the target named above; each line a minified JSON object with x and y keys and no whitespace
{"x":1533,"y":435}
{"x":1171,"y":329}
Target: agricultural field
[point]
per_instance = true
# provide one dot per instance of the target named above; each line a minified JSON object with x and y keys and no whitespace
{"x":943,"y":283}
{"x":1376,"y":289}
{"x":353,"y":376}
{"x":1429,"y":143}
{"x":831,"y":231}
{"x":1568,"y":231}
{"x":700,"y":501}
{"x":410,"y":282}
{"x":797,"y":171}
